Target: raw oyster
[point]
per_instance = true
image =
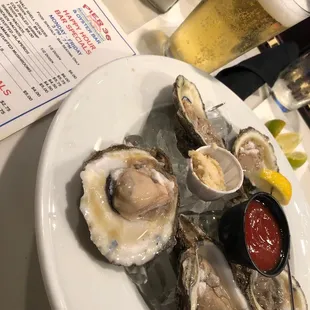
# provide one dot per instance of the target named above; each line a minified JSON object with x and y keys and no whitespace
{"x":129,"y":203}
{"x":265,"y":293}
{"x":191,"y":114}
{"x":254,"y":151}
{"x":205,"y":277}
{"x":207,"y":281}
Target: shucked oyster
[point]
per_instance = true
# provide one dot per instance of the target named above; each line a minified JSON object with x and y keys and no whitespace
{"x":191,"y":113}
{"x":205,"y":278}
{"x":254,"y":151}
{"x":129,"y":203}
{"x":265,"y":293}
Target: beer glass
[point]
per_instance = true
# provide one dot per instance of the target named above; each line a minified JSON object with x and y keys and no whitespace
{"x":218,"y":31}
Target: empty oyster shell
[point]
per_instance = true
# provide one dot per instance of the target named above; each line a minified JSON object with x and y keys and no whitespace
{"x":129,"y":203}
{"x":191,"y":113}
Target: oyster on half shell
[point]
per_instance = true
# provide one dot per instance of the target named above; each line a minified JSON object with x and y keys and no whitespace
{"x":265,"y":293}
{"x":205,"y":277}
{"x":254,"y":151}
{"x":129,"y":202}
{"x":192,"y":115}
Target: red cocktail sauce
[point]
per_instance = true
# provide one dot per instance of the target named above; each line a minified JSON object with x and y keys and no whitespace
{"x":262,"y":236}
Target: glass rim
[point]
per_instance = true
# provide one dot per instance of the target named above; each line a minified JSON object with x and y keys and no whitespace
{"x":301,"y":7}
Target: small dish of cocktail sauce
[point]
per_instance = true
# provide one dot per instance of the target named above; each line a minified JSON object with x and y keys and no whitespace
{"x":256,"y":234}
{"x":262,"y":236}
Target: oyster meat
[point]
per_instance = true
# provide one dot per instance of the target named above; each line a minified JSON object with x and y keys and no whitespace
{"x":129,"y":202}
{"x":191,"y":114}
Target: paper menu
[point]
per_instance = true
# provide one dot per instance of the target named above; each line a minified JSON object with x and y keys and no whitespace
{"x":46,"y":48}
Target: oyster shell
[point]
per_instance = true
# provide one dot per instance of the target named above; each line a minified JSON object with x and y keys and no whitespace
{"x":191,"y":113}
{"x":205,"y":278}
{"x":129,"y":203}
{"x":265,"y":293}
{"x":254,"y":151}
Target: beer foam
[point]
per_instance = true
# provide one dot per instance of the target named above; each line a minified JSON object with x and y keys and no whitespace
{"x":287,"y":12}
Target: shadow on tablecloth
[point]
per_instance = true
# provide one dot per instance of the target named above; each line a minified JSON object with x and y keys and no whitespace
{"x":21,"y":285}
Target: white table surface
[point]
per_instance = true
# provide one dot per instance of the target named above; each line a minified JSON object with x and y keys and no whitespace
{"x":21,"y":285}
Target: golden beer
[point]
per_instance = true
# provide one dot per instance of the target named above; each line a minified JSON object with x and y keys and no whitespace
{"x":218,"y":31}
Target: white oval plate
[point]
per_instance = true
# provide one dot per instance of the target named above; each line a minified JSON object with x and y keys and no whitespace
{"x":111,"y":102}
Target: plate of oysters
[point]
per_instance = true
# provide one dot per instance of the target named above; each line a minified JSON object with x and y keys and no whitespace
{"x":158,"y":188}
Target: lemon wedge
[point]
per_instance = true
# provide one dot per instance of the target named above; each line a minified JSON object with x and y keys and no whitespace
{"x":289,"y":141}
{"x":281,"y":186}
